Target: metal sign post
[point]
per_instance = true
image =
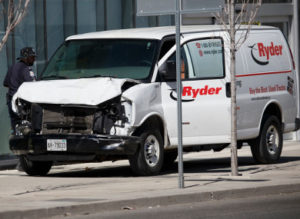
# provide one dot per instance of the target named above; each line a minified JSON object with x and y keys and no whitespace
{"x":170,"y":7}
{"x":179,"y":95}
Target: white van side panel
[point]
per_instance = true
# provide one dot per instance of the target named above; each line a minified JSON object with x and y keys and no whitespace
{"x":206,"y":117}
{"x":265,"y":75}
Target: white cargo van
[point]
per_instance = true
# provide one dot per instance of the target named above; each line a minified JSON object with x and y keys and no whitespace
{"x":112,"y":95}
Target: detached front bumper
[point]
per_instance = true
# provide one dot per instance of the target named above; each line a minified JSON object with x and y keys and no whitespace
{"x":76,"y":145}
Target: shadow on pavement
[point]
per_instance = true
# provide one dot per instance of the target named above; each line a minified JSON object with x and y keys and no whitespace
{"x":215,"y":165}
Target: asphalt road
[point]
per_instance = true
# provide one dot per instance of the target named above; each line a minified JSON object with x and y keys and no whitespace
{"x":272,"y":207}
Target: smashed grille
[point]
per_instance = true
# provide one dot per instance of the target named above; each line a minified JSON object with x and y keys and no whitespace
{"x":63,"y":120}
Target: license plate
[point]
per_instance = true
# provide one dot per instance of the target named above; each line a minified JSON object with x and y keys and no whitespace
{"x":56,"y":145}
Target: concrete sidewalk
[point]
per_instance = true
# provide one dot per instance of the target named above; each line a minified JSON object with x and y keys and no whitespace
{"x":86,"y":188}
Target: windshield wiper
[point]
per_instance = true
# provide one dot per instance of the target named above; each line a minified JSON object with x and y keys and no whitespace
{"x":54,"y":77}
{"x":92,"y":76}
{"x":96,"y":76}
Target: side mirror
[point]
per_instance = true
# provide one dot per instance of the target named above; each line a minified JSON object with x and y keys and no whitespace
{"x":168,"y":70}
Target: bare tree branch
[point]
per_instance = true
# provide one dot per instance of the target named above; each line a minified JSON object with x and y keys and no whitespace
{"x":220,"y":17}
{"x":15,"y":14}
{"x":240,"y":16}
{"x":248,"y":20}
{"x":246,"y":17}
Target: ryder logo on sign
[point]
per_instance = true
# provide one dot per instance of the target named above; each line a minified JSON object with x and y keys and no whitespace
{"x":189,"y":93}
{"x":262,"y":53}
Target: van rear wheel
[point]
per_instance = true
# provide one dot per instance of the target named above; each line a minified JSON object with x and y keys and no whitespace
{"x":148,"y":159}
{"x":268,"y":146}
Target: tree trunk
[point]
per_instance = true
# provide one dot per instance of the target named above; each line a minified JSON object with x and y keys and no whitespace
{"x":234,"y":163}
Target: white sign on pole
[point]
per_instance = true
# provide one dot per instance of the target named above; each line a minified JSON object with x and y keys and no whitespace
{"x":167,"y":7}
{"x":155,"y":7}
{"x":202,"y":5}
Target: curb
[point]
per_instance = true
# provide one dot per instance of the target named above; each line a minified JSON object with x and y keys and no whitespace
{"x":151,"y":201}
{"x":8,"y":164}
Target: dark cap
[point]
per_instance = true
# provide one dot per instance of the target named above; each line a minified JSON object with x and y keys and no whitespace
{"x":26,"y":52}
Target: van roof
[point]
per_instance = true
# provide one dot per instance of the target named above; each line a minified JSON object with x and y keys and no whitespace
{"x":151,"y":33}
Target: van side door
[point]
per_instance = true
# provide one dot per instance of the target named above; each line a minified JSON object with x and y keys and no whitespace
{"x":205,"y":105}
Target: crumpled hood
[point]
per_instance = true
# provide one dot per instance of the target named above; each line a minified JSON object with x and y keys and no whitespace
{"x":85,"y":91}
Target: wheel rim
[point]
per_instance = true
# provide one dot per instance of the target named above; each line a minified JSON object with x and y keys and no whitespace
{"x":151,"y":150}
{"x":272,"y":140}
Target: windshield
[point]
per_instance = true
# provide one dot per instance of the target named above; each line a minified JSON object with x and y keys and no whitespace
{"x":102,"y":58}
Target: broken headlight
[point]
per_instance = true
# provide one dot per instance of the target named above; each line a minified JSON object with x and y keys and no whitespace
{"x":109,"y":118}
{"x":30,"y":117}
{"x":23,"y":108}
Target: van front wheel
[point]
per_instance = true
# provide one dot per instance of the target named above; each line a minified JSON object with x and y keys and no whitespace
{"x":35,"y":168}
{"x":148,"y":159}
{"x":268,"y":146}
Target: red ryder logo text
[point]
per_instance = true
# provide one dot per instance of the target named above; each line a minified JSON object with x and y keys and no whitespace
{"x":189,"y":91}
{"x":269,"y":50}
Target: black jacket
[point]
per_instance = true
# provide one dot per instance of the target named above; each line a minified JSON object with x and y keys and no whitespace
{"x":16,"y":75}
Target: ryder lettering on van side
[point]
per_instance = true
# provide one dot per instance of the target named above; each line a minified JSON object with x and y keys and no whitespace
{"x":265,"y":52}
{"x":269,"y":50}
{"x":189,"y":91}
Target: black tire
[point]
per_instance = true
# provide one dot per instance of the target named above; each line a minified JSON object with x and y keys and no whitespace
{"x":267,"y":147}
{"x":148,"y":159}
{"x":35,"y":168}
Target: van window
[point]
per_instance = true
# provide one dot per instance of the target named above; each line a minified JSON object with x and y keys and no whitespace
{"x":184,"y":67}
{"x":167,"y":45}
{"x":206,"y":57}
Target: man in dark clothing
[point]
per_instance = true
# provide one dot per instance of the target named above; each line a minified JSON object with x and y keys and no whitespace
{"x":16,"y":75}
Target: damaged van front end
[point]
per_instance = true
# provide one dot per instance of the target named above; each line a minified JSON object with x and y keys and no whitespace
{"x":54,"y":128}
{"x":93,"y":102}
